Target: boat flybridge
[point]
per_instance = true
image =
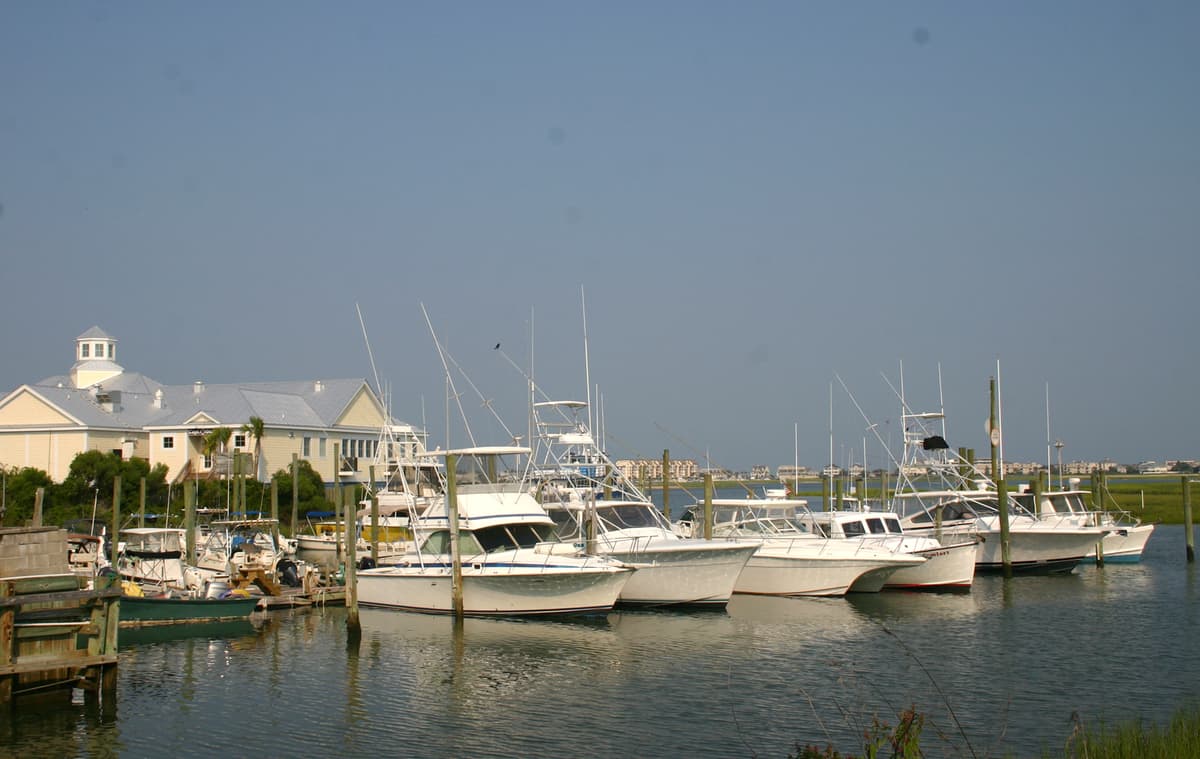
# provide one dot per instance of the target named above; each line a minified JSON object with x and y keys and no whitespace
{"x":942,"y":495}
{"x":791,"y":559}
{"x":1127,"y":537}
{"x":593,"y":504}
{"x":510,"y":560}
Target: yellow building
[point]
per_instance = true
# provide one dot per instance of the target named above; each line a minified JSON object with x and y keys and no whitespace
{"x":98,"y":405}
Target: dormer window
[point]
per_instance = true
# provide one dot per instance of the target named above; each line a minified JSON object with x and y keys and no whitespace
{"x":99,"y":350}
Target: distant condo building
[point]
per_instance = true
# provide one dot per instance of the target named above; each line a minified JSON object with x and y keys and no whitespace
{"x":791,"y":472}
{"x":97,"y":405}
{"x":641,"y":469}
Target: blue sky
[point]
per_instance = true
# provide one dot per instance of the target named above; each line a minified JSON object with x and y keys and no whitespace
{"x":754,"y":197}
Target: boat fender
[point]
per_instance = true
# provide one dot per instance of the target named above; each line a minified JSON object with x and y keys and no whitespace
{"x":131,"y":589}
{"x":366,"y":562}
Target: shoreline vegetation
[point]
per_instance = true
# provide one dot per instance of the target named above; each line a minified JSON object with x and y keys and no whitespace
{"x":1131,"y":740}
{"x":1150,"y":498}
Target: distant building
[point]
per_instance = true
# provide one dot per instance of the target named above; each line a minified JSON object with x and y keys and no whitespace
{"x":640,"y":469}
{"x":760,"y":472}
{"x":97,"y":405}
{"x":791,"y":472}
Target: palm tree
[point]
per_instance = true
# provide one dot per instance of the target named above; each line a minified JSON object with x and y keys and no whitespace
{"x":256,"y":427}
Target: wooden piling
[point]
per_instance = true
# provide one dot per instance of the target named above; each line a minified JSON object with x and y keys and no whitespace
{"x":666,"y":483}
{"x":1001,"y":482}
{"x":374,"y":519}
{"x":142,"y":502}
{"x":826,"y":490}
{"x":39,"y":497}
{"x":708,"y":506}
{"x":456,"y":581}
{"x":295,"y":491}
{"x":116,"y":520}
{"x":189,"y":520}
{"x":353,"y":625}
{"x":275,"y":508}
{"x":1187,"y":520}
{"x":337,"y":502}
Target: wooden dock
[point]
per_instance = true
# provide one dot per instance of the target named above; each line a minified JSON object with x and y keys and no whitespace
{"x":55,"y":633}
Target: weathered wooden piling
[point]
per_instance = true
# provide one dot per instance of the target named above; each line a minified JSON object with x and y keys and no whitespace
{"x":142,"y":502}
{"x":295,"y":492}
{"x":708,"y":506}
{"x":275,"y":509}
{"x":114,"y":537}
{"x":456,"y":580}
{"x":374,"y":518}
{"x":39,"y":498}
{"x":1001,"y":483}
{"x":1187,"y":519}
{"x":189,"y":520}
{"x":666,"y":483}
{"x":353,"y":625}
{"x":337,"y":503}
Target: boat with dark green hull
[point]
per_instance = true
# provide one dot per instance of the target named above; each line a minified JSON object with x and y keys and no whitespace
{"x":146,"y":611}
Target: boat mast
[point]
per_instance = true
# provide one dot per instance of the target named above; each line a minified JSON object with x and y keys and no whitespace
{"x":587,"y":371}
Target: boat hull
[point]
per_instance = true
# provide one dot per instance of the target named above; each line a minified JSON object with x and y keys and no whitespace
{"x":507,"y":592}
{"x":795,"y":569}
{"x":703,"y":575}
{"x":1124,"y":545}
{"x":146,"y":611}
{"x":946,"y":566}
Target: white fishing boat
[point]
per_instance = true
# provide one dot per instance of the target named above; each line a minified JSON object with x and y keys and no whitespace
{"x":322,"y":535}
{"x":593,"y":504}
{"x":942,"y":495}
{"x":947,"y":565}
{"x":1126,"y":538}
{"x":790,"y":560}
{"x":511,"y":563}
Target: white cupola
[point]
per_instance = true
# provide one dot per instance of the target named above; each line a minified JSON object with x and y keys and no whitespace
{"x":95,"y":358}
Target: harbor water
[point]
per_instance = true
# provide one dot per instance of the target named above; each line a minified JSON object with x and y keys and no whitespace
{"x":1009,"y":668}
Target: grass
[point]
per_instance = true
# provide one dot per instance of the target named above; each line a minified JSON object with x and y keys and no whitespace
{"x":1133,"y":740}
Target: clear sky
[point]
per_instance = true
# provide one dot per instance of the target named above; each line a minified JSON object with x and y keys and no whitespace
{"x":753,"y":197}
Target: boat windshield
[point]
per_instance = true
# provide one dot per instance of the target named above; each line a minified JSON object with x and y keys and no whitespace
{"x":876,"y":526}
{"x":626,"y":515}
{"x":439,"y":543}
{"x":507,"y":537}
{"x":853,"y":529}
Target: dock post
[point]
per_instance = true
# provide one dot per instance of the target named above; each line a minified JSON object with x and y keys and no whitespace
{"x":337,"y":503}
{"x":275,"y":509}
{"x":1187,"y":520}
{"x":826,"y":489}
{"x":456,"y":580}
{"x":374,"y":519}
{"x":39,"y":497}
{"x":666,"y":483}
{"x":295,"y":491}
{"x":189,"y":521}
{"x":116,"y":520}
{"x":1005,"y":544}
{"x":839,"y":496}
{"x":353,"y":626}
{"x":708,"y":509}
{"x":142,"y":503}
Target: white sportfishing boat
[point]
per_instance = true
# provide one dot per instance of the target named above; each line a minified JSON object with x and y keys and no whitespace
{"x":510,"y":561}
{"x":942,"y":495}
{"x":790,"y":560}
{"x":592,"y":503}
{"x":1126,"y":537}
{"x":947,"y":565}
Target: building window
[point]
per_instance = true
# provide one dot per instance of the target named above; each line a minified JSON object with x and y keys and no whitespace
{"x":306,"y":450}
{"x":321,"y":447}
{"x":83,"y":350}
{"x":239,"y":441}
{"x":168,"y":441}
{"x":207,"y":461}
{"x":99,"y":350}
{"x":112,"y":349}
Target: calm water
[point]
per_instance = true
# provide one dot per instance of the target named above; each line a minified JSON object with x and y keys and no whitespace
{"x":1014,"y":659}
